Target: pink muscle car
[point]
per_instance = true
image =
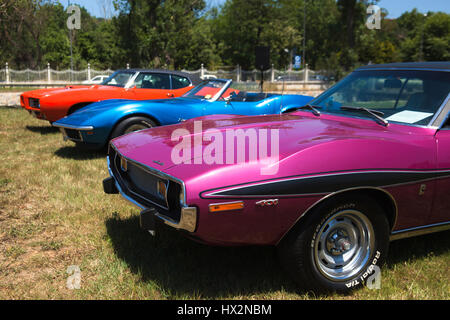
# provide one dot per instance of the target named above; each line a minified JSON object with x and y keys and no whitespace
{"x":329,"y":184}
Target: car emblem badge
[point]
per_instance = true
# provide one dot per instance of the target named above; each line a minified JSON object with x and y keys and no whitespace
{"x":267,"y":203}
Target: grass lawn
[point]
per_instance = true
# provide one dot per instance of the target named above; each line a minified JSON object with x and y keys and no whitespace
{"x":17,"y":89}
{"x":54,"y":214}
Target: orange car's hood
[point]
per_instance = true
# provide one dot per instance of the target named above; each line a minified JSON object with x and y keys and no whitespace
{"x":41,"y":93}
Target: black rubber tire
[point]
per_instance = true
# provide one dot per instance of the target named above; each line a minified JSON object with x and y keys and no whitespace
{"x":122,"y":127}
{"x":296,"y":251}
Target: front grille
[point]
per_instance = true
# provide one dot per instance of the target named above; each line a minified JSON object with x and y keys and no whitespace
{"x":73,"y":134}
{"x":141,"y":185}
{"x":34,"y":103}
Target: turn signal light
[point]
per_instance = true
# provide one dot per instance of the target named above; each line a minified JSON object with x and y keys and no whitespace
{"x":218,"y":207}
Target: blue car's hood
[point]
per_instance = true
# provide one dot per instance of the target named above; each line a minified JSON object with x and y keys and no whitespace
{"x":96,"y":109}
{"x":107,"y":105}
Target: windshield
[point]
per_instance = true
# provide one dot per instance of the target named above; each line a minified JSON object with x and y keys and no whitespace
{"x":208,"y":90}
{"x":118,"y":79}
{"x":403,"y":96}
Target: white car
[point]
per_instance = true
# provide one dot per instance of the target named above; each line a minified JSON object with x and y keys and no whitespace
{"x":208,"y":77}
{"x":96,"y":80}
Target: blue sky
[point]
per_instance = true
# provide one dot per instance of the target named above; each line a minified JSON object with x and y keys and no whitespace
{"x":397,"y":7}
{"x":394,"y":7}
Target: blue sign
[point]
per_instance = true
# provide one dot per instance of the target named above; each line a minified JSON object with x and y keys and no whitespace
{"x":297,"y":62}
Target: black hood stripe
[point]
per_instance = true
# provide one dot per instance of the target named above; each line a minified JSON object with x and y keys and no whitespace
{"x":325,"y":183}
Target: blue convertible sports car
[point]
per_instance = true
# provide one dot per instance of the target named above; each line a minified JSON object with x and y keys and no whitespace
{"x":97,"y":123}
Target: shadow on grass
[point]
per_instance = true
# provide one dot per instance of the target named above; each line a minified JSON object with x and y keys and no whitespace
{"x":183,"y":267}
{"x":418,"y":247}
{"x":43,"y":130}
{"x":78,"y":153}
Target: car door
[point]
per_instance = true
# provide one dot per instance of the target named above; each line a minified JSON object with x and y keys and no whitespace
{"x":441,"y":205}
{"x":184,"y":109}
{"x":248,"y":108}
{"x":255,"y":106}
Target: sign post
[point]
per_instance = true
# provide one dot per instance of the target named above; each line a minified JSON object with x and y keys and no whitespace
{"x":297,"y":62}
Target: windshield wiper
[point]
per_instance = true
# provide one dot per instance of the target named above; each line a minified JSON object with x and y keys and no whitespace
{"x":374,"y":113}
{"x":308,"y":106}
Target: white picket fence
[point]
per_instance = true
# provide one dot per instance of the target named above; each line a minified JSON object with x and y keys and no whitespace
{"x":270,"y":75}
{"x":49,"y":76}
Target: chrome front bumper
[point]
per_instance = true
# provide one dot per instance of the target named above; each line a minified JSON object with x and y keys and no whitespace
{"x":77,"y":137}
{"x":188,"y":215}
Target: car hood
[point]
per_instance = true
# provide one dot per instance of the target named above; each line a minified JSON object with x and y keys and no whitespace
{"x":98,"y":109}
{"x":305,"y":144}
{"x":41,"y":93}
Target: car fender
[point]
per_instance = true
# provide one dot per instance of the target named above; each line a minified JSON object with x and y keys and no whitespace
{"x":290,"y":101}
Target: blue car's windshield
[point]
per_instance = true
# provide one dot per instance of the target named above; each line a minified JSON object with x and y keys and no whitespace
{"x":206,"y":90}
{"x":404,"y":96}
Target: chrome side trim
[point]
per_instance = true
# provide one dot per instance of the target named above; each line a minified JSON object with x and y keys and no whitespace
{"x":221,"y":91}
{"x":337,"y":193}
{"x":418,"y":231}
{"x":68,"y":126}
{"x":438,"y":112}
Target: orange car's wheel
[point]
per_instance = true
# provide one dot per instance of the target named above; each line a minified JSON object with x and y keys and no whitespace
{"x":132,"y":124}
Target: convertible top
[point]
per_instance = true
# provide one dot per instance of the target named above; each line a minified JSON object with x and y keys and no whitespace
{"x":435,"y":65}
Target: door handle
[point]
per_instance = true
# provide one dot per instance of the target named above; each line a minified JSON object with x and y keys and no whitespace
{"x":170,"y":95}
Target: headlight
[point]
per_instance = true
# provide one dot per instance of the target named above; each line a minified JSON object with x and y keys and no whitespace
{"x":162,"y":189}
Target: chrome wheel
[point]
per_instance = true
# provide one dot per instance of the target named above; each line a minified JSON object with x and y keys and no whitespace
{"x":136,"y":127}
{"x":343,"y":245}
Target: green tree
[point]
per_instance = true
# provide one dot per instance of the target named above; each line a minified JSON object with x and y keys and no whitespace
{"x":436,"y":44}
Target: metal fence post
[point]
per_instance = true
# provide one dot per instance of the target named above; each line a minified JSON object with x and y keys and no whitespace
{"x":202,"y":72}
{"x":272,"y":74}
{"x":49,"y":73}
{"x":238,"y":73}
{"x":306,"y":73}
{"x":89,"y":71}
{"x":7,"y":73}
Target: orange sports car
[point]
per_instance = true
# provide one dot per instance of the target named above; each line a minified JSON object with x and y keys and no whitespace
{"x":137,"y":84}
